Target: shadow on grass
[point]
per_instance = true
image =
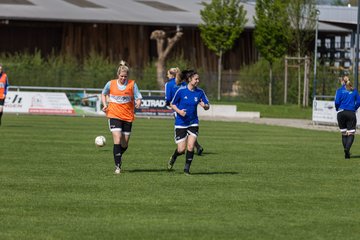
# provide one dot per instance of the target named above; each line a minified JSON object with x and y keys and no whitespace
{"x":17,"y":126}
{"x":178,"y":172}
{"x":103,"y":150}
{"x":146,"y":170}
{"x":205,"y":153}
{"x":355,"y":156}
{"x":215,"y":173}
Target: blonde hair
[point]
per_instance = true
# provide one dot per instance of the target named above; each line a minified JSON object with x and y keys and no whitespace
{"x":348,"y":85}
{"x":175,"y":73}
{"x":123,"y":67}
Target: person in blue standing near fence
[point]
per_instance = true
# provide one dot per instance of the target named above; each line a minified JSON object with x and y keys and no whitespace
{"x":347,"y":102}
{"x":171,"y":86}
{"x":184,"y":103}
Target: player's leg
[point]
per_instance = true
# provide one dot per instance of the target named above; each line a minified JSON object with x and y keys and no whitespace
{"x":180,"y":140}
{"x":125,"y":137}
{"x":351,"y":126}
{"x":1,"y":108}
{"x":199,"y":148}
{"x":115,"y":128}
{"x":192,"y":136}
{"x":342,"y":122}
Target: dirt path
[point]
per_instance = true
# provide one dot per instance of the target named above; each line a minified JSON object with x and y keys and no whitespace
{"x":296,"y":123}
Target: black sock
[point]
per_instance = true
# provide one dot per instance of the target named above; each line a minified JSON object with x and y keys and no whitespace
{"x":349,"y":142}
{"x":123,"y":149}
{"x":176,"y":154}
{"x":197,"y":145}
{"x":1,"y":113}
{"x":189,"y":158}
{"x":344,"y":140}
{"x":117,"y":154}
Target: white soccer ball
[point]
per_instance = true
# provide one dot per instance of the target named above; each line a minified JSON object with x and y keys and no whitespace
{"x":100,"y":141}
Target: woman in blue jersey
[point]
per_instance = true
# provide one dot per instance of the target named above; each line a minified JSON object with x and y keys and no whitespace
{"x":171,"y":86}
{"x":347,"y":101}
{"x":184,"y":103}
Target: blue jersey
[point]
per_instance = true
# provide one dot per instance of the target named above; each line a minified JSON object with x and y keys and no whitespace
{"x":347,"y":99}
{"x":171,"y":88}
{"x":188,"y":100}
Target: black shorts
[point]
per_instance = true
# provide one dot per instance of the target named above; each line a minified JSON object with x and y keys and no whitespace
{"x":117,"y":125}
{"x":346,"y":121}
{"x":2,"y":101}
{"x":182,"y":133}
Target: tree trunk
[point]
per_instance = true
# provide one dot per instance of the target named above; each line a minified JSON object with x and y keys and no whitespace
{"x":299,"y":78}
{"x":160,"y":70}
{"x":270,"y":84}
{"x":163,"y":52}
{"x":219,"y":77}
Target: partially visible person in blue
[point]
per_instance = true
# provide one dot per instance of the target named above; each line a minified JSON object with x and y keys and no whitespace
{"x":185,"y":104}
{"x":4,"y":84}
{"x":347,"y":101}
{"x":171,"y":86}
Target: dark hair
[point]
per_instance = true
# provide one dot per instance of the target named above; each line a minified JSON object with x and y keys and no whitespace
{"x":187,"y":74}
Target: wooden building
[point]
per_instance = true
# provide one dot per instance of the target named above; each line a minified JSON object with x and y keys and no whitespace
{"x":86,"y":27}
{"x":122,"y":29}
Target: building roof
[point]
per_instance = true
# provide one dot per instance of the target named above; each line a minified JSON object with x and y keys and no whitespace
{"x":146,"y":12}
{"x":338,"y":14}
{"x":164,"y":12}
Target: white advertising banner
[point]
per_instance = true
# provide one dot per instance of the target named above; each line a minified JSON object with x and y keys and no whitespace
{"x":38,"y":103}
{"x":325,"y":112}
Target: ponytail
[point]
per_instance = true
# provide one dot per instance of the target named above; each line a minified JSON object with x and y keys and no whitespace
{"x":123,"y":66}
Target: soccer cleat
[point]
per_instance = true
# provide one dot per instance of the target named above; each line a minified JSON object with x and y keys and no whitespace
{"x":171,"y":163}
{"x":187,"y":172}
{"x":347,"y":154}
{"x":199,"y":151}
{"x":117,"y":170}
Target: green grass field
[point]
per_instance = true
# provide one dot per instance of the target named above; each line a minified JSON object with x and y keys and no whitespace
{"x":252,"y":182}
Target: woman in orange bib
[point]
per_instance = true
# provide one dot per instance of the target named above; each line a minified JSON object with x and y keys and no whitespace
{"x":4,"y":84}
{"x":120,"y":97}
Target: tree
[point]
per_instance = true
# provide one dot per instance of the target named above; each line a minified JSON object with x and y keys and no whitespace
{"x":224,"y":20}
{"x":163,"y":52}
{"x":302,"y":16}
{"x":338,"y":3}
{"x":272,"y":32}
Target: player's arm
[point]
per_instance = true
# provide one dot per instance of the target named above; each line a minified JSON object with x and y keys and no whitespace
{"x":105,"y":92}
{"x":204,"y":102}
{"x":357,"y":100}
{"x":167,"y":94}
{"x":337,"y":99}
{"x":204,"y":105}
{"x":181,"y":112}
{"x":137,"y":96}
{"x":6,"y":86}
{"x":174,"y":102}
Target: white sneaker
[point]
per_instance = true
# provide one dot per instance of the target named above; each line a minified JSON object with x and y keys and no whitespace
{"x":171,"y":163}
{"x":117,"y":170}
